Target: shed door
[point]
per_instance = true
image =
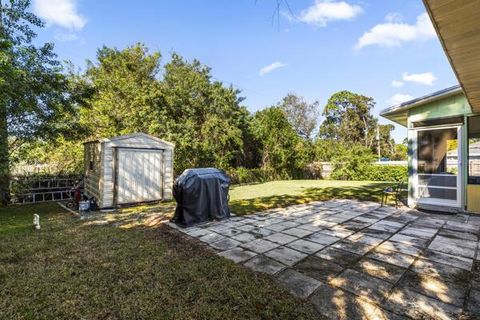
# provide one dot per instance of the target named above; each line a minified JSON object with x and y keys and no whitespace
{"x":139,"y":175}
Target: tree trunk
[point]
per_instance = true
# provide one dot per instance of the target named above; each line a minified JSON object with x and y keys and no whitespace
{"x":4,"y":159}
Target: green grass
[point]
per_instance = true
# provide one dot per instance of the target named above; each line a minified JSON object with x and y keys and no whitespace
{"x":128,"y":264}
{"x":256,"y":197}
{"x":132,"y":267}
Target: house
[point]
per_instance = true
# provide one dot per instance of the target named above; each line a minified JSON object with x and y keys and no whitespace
{"x":444,"y":127}
{"x":443,"y":135}
{"x":128,"y":169}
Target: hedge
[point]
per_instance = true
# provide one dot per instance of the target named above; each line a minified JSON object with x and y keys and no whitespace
{"x":243,"y":175}
{"x":382,"y":173}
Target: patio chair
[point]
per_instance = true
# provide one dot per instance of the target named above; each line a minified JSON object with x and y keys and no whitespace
{"x":395,"y":191}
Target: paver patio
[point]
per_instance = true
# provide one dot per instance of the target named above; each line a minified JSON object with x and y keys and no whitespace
{"x":357,"y":260}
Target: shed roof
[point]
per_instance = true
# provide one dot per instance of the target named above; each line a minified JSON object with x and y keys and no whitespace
{"x":132,"y":136}
{"x":399,"y":113}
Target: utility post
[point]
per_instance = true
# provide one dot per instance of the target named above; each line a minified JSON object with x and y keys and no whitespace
{"x":378,"y":143}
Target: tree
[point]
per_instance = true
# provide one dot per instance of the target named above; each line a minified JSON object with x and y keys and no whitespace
{"x":350,"y":161}
{"x":33,"y":89}
{"x":387,"y":143}
{"x":124,"y":92}
{"x":348,"y":119}
{"x":303,"y":116}
{"x":400,"y":153}
{"x":203,"y":117}
{"x":279,"y":143}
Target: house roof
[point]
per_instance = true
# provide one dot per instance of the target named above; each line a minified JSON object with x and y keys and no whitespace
{"x":399,"y":113}
{"x":458,"y":28}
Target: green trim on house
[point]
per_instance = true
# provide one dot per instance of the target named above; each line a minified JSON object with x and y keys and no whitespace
{"x":400,"y":113}
{"x":456,"y":105}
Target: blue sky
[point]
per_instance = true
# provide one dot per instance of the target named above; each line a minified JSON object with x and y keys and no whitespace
{"x":383,"y":49}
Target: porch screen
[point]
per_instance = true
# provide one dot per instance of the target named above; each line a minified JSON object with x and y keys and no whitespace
{"x":437,"y":163}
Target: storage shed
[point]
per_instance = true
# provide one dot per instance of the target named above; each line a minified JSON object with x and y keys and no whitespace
{"x":128,"y":169}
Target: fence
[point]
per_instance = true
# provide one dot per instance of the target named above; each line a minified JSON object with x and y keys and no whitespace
{"x":32,"y":189}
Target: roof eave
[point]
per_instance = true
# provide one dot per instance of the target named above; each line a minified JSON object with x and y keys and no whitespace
{"x":401,"y":110}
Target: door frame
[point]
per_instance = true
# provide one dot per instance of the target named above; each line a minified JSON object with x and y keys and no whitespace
{"x":460,"y":173}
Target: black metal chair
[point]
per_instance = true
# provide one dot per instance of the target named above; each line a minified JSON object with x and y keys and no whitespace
{"x":396,"y":191}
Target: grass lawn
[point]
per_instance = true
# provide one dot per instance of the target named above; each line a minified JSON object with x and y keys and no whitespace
{"x":128,"y":264}
{"x":131,"y":268}
{"x":256,"y":197}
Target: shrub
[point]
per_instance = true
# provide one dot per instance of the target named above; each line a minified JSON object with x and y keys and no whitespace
{"x":243,"y":175}
{"x":383,"y":173}
{"x":350,"y":161}
{"x":313,"y":170}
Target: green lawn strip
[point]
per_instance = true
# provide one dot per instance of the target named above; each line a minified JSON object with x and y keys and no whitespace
{"x":252,"y":198}
{"x":71,"y":269}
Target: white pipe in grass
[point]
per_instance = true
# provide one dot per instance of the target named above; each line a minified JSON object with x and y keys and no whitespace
{"x":36,"y":221}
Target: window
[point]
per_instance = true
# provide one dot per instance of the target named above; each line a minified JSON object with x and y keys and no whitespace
{"x":90,"y":165}
{"x":474,"y":150}
{"x":438,"y":122}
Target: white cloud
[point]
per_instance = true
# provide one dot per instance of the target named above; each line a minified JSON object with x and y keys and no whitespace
{"x":324,"y":11}
{"x":267,"y":69}
{"x":65,"y":36}
{"x":394,"y":32}
{"x":399,"y":98}
{"x":397,"y":83}
{"x":60,"y":12}
{"x":427,"y":78}
{"x":394,"y":17}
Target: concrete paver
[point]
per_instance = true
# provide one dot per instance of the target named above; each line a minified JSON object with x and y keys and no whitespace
{"x":357,"y":260}
{"x":297,"y":283}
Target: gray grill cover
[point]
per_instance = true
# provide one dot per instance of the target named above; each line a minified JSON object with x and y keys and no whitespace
{"x":201,"y":195}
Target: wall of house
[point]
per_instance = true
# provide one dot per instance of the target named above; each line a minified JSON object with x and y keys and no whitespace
{"x":448,"y":107}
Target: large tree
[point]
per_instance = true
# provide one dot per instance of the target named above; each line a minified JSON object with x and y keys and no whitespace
{"x":386,"y":142}
{"x":348,"y":119}
{"x":33,"y":89}
{"x":124,"y":91}
{"x":204,"y":118}
{"x":280,"y":146}
{"x":303,"y":116}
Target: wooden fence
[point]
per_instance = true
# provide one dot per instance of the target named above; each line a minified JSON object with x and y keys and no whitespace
{"x":34,"y":189}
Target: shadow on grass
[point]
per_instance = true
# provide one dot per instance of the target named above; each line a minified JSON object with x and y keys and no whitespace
{"x":367,"y":192}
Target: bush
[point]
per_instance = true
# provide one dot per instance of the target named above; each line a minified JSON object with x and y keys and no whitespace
{"x":242,"y":175}
{"x":383,"y":173}
{"x":313,"y":170}
{"x":350,"y":161}
{"x":354,"y":162}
